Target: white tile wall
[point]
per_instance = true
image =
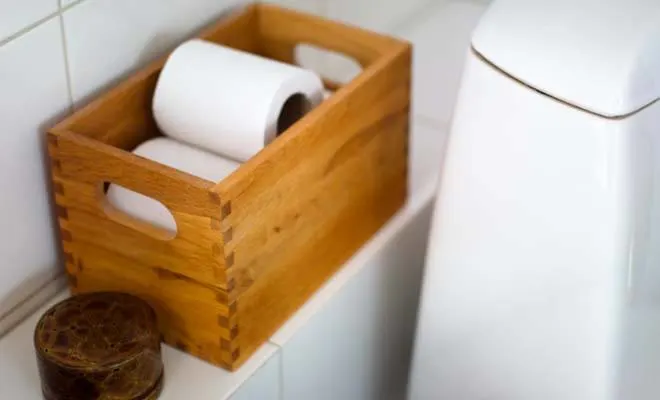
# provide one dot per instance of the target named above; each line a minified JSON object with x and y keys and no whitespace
{"x":66,"y":3}
{"x":265,"y":384}
{"x":41,"y":72}
{"x":16,"y":15}
{"x":189,"y":378}
{"x":379,"y":15}
{"x":108,"y":38}
{"x":441,"y":40}
{"x":33,"y":93}
{"x":427,"y":154}
{"x":318,"y":7}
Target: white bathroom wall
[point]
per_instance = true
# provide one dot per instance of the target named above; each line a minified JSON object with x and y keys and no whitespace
{"x":33,"y":93}
{"x":318,"y":7}
{"x":105,"y":39}
{"x":54,"y":56}
{"x":379,"y":15}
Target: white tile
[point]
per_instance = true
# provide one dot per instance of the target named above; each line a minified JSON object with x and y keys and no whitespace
{"x":106,"y":39}
{"x":33,"y":96}
{"x":358,"y":345}
{"x":427,"y":153}
{"x":66,"y":3}
{"x":317,"y":7}
{"x":39,"y":297}
{"x":379,"y":15}
{"x":441,"y":41}
{"x":184,"y":372}
{"x":264,"y":384}
{"x":19,"y":14}
{"x":19,"y":378}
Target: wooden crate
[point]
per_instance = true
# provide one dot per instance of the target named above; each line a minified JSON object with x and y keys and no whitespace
{"x":249,"y":250}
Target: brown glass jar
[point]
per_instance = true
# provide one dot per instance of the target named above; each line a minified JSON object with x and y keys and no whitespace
{"x":99,"y":346}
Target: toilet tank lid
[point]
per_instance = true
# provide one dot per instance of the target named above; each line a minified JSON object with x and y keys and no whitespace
{"x":599,"y":55}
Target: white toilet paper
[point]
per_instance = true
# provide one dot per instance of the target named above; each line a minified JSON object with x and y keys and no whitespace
{"x":176,"y":155}
{"x":230,"y":102}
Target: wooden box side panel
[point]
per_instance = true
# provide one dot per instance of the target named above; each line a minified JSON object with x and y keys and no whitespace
{"x":122,"y":116}
{"x":192,"y":317}
{"x":305,"y":204}
{"x":82,"y":166}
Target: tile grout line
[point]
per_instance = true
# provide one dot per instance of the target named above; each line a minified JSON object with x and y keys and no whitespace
{"x":54,"y":282}
{"x":37,"y":23}
{"x":28,"y":306}
{"x":280,"y":374}
{"x":21,"y":303}
{"x":67,"y":67}
{"x":69,"y":6}
{"x":28,"y":28}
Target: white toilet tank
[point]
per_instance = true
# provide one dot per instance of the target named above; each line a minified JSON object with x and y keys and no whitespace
{"x":543,"y":272}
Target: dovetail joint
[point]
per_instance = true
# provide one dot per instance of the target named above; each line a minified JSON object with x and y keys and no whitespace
{"x":73,"y":280}
{"x":52,"y":139}
{"x":228,"y":235}
{"x":66,"y":235}
{"x":58,"y":188}
{"x":229,"y":260}
{"x":230,"y":346}
{"x":68,"y":257}
{"x":216,"y":225}
{"x":57,"y":166}
{"x":215,"y":197}
{"x":61,"y":212}
{"x":222,"y":297}
{"x":226,"y":209}
{"x":225,"y":344}
{"x":70,"y":268}
{"x":181,"y":346}
{"x":216,"y":249}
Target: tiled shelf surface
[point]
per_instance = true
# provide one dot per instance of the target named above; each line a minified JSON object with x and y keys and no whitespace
{"x":18,"y":368}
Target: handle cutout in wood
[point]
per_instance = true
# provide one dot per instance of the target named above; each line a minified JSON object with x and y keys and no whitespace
{"x":138,"y":211}
{"x":333,"y":66}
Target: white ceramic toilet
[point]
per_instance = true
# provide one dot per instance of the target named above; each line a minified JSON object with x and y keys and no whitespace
{"x":543,"y":272}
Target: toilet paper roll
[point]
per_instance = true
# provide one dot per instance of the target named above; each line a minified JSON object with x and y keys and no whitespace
{"x":176,"y":155}
{"x":230,"y":102}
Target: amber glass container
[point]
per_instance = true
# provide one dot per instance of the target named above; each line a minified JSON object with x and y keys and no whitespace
{"x":103,"y":346}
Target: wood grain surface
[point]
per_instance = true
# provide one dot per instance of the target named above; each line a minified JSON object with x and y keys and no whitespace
{"x":250,"y":250}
